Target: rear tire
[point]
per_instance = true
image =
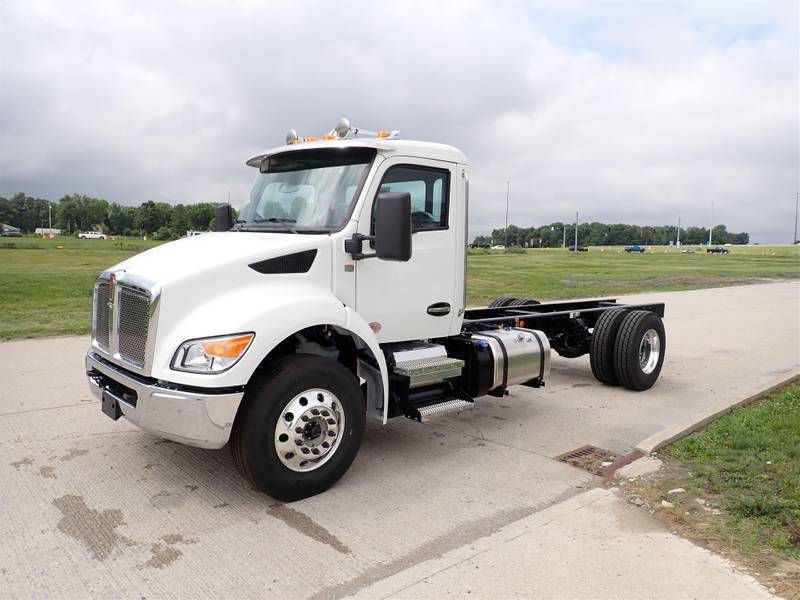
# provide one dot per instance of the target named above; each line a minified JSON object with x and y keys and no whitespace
{"x":601,"y":350}
{"x":276,"y":422}
{"x":639,"y":350}
{"x":501,"y":301}
{"x":521,"y":301}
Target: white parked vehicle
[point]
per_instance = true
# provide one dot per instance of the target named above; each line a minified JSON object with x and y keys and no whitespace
{"x":338,"y":294}
{"x":91,"y":235}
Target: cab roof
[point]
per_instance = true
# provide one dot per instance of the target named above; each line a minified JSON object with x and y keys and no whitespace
{"x":387,"y":148}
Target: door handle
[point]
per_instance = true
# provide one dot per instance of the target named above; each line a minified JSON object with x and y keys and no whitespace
{"x":439,"y":309}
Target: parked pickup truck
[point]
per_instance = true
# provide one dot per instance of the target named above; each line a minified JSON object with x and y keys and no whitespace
{"x":338,"y":294}
{"x":639,"y":249}
{"x":717,"y":250}
{"x":91,"y":235}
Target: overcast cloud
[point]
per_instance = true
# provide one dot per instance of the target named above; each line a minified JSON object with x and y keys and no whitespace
{"x":625,"y":111}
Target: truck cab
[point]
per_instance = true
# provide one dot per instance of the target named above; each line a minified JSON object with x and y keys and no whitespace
{"x":339,"y":293}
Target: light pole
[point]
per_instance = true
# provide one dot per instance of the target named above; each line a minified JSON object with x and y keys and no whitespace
{"x":796,"y":202}
{"x":576,"y":232}
{"x":678,"y":239}
{"x":564,"y":243}
{"x":711,"y":225}
{"x":508,"y":189}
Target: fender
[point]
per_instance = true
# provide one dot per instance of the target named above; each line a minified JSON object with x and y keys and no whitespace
{"x":300,"y":304}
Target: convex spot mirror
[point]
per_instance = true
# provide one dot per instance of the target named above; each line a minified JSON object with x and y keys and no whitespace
{"x":393,"y":226}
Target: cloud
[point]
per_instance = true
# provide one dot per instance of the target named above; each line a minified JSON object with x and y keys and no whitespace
{"x":624,"y":111}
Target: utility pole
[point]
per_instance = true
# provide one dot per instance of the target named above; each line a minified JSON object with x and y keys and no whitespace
{"x":508,"y":189}
{"x":796,"y":202}
{"x":678,"y":240}
{"x":576,"y":232}
{"x":50,"y":217}
{"x":564,"y":243}
{"x":711,"y":225}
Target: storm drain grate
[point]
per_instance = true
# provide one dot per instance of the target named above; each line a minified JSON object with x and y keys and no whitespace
{"x":590,"y":458}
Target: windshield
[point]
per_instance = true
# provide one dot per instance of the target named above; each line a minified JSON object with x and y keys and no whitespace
{"x":310,"y":191}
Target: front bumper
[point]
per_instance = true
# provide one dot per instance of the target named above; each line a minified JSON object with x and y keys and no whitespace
{"x":197,"y":417}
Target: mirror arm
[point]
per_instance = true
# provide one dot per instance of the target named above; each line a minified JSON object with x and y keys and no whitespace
{"x":354,"y":245}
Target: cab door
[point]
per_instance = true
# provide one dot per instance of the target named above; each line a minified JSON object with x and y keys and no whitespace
{"x":412,"y":300}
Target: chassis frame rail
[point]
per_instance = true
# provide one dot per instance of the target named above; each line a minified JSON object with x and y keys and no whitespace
{"x":548,"y":316}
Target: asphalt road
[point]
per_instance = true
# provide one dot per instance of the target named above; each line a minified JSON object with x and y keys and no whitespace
{"x":89,"y":506}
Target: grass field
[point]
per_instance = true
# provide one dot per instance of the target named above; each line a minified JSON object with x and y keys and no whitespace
{"x":551,"y":274}
{"x":46,"y":285}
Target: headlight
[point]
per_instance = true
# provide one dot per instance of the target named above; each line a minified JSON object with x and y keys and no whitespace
{"x":211,"y":355}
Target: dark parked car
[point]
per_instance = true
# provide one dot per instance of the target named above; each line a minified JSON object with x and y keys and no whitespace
{"x":718,"y":250}
{"x":580,"y":248}
{"x":634,"y":249}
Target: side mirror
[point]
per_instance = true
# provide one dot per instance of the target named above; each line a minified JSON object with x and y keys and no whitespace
{"x":393,"y":226}
{"x":223,"y":218}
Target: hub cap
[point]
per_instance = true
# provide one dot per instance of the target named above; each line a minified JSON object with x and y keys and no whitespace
{"x":309,"y":429}
{"x":649,"y":351}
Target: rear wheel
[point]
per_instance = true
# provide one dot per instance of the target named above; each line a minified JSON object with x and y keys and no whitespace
{"x":639,"y":350}
{"x":299,"y":428}
{"x":601,"y":350}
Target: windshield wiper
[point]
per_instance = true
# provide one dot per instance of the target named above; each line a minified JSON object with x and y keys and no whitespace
{"x":280,"y":221}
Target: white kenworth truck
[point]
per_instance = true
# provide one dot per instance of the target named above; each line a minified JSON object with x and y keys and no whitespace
{"x":338,"y":293}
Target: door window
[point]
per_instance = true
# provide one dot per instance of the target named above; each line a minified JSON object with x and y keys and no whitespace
{"x":429,"y":189}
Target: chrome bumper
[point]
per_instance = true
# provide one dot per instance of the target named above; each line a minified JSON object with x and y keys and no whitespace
{"x":197,"y":419}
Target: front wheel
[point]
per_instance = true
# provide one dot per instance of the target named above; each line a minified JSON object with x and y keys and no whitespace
{"x":639,"y":350}
{"x":299,"y":428}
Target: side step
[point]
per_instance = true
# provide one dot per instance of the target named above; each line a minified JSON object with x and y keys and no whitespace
{"x":426,"y":413}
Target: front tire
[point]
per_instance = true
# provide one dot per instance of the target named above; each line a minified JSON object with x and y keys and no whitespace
{"x":299,"y":428}
{"x":639,"y":350}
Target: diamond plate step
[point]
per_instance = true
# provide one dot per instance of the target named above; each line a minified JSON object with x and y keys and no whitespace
{"x":423,"y":371}
{"x":426,"y":413}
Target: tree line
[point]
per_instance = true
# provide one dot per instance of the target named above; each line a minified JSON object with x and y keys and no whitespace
{"x":604,"y":234}
{"x":75,"y":212}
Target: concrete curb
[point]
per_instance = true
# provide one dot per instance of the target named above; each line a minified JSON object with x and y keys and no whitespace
{"x":670,"y":434}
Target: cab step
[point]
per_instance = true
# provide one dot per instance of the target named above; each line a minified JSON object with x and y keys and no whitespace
{"x":426,"y":413}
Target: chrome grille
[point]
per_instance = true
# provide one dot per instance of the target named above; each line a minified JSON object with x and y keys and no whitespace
{"x":100,"y":325}
{"x":134,"y":321}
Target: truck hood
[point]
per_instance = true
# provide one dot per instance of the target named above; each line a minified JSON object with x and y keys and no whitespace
{"x":212,"y":255}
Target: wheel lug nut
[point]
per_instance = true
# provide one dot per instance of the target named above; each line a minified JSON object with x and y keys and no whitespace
{"x":304,"y":418}
{"x":315,"y":451}
{"x":298,"y":441}
{"x":331,"y":433}
{"x":298,"y":430}
{"x":325,"y":413}
{"x":331,"y":422}
{"x":325,"y":445}
{"x":314,"y":411}
{"x":304,"y":450}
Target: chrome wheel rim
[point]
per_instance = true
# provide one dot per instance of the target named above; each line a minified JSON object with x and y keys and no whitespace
{"x":649,"y":351}
{"x":309,"y":430}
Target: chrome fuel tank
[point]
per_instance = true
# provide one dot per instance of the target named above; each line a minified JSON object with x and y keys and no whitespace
{"x":520,"y":355}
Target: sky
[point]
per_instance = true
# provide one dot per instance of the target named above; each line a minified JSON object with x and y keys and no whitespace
{"x":628,"y":111}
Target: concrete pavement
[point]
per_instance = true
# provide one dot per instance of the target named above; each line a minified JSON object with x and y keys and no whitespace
{"x":591,"y":546}
{"x":92,"y":507}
